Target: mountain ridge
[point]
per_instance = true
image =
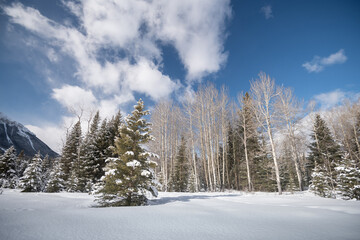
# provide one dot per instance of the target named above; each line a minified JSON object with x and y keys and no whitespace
{"x":13,"y":133}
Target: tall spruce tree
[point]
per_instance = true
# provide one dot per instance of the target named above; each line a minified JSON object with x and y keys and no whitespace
{"x":8,"y":174}
{"x":105,"y":142}
{"x":325,"y":154}
{"x":88,"y":167}
{"x":129,"y":177}
{"x":71,"y":152}
{"x":32,"y":180}
{"x":181,"y":174}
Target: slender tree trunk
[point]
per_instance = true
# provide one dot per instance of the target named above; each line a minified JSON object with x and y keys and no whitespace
{"x":278,"y":182}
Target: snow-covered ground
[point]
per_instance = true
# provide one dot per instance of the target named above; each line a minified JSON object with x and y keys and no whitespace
{"x":179,"y":216}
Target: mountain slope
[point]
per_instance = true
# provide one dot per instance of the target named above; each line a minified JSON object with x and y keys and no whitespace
{"x":15,"y":134}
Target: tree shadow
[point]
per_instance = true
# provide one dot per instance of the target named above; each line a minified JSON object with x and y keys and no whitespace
{"x":187,"y":198}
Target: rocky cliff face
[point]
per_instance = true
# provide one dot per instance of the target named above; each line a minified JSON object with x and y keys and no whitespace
{"x":15,"y":134}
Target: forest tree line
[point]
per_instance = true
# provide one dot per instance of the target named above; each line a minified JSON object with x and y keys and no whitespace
{"x":264,"y":141}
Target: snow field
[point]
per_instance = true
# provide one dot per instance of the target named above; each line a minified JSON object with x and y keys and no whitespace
{"x":186,"y":216}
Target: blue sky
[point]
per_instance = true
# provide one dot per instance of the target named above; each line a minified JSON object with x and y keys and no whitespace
{"x":58,"y":55}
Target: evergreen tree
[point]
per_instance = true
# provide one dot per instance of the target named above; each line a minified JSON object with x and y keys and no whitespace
{"x":105,"y":142}
{"x":71,"y":151}
{"x":322,"y":182}
{"x":103,"y":149}
{"x":264,"y":178}
{"x":46,"y":170}
{"x":348,"y":179}
{"x":88,"y":167}
{"x":32,"y":180}
{"x":21,"y":163}
{"x":324,"y":151}
{"x":129,"y":177}
{"x":56,"y":179}
{"x":8,"y":174}
{"x":113,"y":131}
{"x":355,"y":140}
{"x":181,"y":174}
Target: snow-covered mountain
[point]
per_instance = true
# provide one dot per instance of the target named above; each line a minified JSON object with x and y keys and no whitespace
{"x":15,"y":134}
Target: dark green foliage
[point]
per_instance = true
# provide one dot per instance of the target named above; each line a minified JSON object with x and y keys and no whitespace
{"x":181,"y":175}
{"x":233,"y":159}
{"x":323,"y":150}
{"x":86,"y":168}
{"x":71,"y":151}
{"x":348,"y":179}
{"x":262,"y":172}
{"x":355,"y":141}
{"x":323,"y":157}
{"x":8,"y":173}
{"x":32,"y":181}
{"x":129,"y":176}
{"x":105,"y":142}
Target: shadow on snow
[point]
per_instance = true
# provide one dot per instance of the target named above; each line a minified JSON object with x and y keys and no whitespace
{"x":166,"y":200}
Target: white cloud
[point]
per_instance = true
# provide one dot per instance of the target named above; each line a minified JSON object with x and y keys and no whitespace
{"x":138,"y":28}
{"x":335,"y":58}
{"x":317,"y":64}
{"x":117,"y":47}
{"x":336,"y":97}
{"x":267,"y":11}
{"x":72,"y":97}
{"x":196,"y":29}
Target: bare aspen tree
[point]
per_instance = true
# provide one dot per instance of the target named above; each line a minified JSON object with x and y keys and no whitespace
{"x":245,"y":113}
{"x":224,"y":121}
{"x":290,"y":109}
{"x":264,"y":94}
{"x":160,"y":121}
{"x":188,"y":107}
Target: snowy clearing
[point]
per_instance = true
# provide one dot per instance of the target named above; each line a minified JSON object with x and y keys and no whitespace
{"x":179,"y":216}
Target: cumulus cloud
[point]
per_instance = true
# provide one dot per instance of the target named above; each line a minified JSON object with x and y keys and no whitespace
{"x":138,"y":29}
{"x":72,"y":97}
{"x":317,"y":64}
{"x":267,"y":11}
{"x":117,"y":47}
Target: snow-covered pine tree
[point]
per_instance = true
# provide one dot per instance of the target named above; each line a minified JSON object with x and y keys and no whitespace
{"x":102,"y":143}
{"x":348,"y":179}
{"x":56,"y":179}
{"x":324,"y":152}
{"x":355,"y":140}
{"x":322,"y":182}
{"x":32,"y":180}
{"x":47,"y":165}
{"x":88,"y":167}
{"x":71,"y":151}
{"x":113,"y":132}
{"x":129,"y":177}
{"x":8,"y":175}
{"x":21,"y":163}
{"x":181,"y":174}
